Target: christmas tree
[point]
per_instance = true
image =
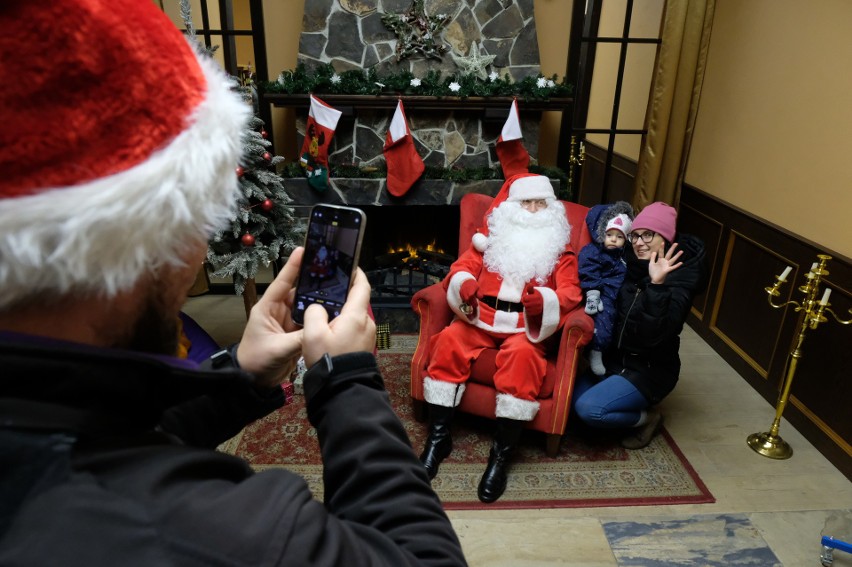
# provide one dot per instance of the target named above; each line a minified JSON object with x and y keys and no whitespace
{"x":265,"y":227}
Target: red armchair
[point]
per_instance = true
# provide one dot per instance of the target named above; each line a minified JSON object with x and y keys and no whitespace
{"x":430,"y":304}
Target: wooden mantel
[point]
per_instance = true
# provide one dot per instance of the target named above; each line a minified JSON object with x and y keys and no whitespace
{"x":491,"y":106}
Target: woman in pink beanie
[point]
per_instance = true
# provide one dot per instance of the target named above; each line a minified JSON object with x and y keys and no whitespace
{"x":665,"y":270}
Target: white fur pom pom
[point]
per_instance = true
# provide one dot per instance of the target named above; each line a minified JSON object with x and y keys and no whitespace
{"x":479,"y":241}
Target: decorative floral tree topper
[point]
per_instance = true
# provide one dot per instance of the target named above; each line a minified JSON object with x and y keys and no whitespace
{"x":417,"y":32}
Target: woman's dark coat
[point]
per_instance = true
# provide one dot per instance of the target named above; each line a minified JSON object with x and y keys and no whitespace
{"x":650,"y":319}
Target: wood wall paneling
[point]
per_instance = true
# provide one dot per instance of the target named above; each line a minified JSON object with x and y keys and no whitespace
{"x":710,"y":231}
{"x":823,"y":380}
{"x":757,"y":339}
{"x":742,"y":316}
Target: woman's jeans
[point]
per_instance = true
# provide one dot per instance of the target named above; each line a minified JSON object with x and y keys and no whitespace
{"x":610,"y":403}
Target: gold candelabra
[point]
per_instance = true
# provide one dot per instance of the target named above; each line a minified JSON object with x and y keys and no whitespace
{"x":575,"y":158}
{"x":769,"y":443}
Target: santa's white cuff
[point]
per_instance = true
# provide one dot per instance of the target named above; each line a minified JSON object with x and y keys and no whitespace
{"x":549,"y":317}
{"x":510,"y":407}
{"x":454,"y":299}
{"x":441,"y":393}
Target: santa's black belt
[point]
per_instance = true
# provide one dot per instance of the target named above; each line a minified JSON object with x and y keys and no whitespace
{"x":500,"y":305}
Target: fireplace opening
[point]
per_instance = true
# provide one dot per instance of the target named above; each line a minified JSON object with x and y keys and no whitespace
{"x":407,"y":248}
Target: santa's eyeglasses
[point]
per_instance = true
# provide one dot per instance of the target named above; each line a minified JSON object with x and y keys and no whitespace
{"x":646,"y":237}
{"x":536,"y":204}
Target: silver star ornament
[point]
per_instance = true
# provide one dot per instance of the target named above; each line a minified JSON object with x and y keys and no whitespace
{"x":474,"y":63}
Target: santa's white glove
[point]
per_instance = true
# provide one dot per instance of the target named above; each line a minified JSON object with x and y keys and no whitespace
{"x":594,"y":305}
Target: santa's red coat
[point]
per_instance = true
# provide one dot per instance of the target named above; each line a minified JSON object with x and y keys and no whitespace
{"x":561,"y":293}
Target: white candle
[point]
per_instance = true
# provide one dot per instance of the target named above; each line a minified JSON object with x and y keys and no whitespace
{"x":813,"y":267}
{"x":784,"y":274}
{"x":824,"y":300}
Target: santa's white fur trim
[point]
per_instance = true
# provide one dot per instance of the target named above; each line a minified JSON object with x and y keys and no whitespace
{"x":510,"y":407}
{"x":549,"y":317}
{"x":479,"y":241}
{"x":531,"y":187}
{"x":102,"y":236}
{"x":454,"y":300}
{"x":441,"y":393}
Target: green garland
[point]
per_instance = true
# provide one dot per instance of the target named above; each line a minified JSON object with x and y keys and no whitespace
{"x":324,"y":80}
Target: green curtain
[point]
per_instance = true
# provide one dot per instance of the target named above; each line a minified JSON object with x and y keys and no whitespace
{"x":673,"y":104}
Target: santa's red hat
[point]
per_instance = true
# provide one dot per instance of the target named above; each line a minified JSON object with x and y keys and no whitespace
{"x":519,"y":187}
{"x":118,"y":147}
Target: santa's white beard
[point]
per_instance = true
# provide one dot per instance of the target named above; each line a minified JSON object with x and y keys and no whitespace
{"x":522,"y":245}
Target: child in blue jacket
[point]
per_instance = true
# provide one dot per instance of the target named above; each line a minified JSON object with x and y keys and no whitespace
{"x":602,"y":268}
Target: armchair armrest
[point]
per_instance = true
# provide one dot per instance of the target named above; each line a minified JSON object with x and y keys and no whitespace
{"x":579,"y":319}
{"x":430,"y":305}
{"x":578,"y":330}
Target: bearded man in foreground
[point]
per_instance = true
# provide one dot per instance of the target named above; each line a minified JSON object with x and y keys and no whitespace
{"x":510,"y":290}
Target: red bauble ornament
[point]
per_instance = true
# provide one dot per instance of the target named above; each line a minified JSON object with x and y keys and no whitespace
{"x":264,"y":133}
{"x":267,"y":156}
{"x":240,"y":171}
{"x":247,"y":240}
{"x":267,"y":205}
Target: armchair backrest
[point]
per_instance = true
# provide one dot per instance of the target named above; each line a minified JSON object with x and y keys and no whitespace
{"x":474,"y":205}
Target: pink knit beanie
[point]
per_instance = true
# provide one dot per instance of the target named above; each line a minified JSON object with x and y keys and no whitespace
{"x":659,"y":217}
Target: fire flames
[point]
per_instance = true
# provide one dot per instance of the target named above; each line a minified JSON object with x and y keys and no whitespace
{"x":412,"y":249}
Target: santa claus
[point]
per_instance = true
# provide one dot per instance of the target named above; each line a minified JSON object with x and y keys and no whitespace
{"x":510,"y":290}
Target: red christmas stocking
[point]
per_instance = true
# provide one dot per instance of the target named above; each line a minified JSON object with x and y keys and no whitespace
{"x":404,"y":163}
{"x":322,"y":120}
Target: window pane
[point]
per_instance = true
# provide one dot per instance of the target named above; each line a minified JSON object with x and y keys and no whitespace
{"x":646,"y":17}
{"x":602,"y":93}
{"x":628,"y":145}
{"x":636,"y":84}
{"x":244,"y":44}
{"x":612,"y":18}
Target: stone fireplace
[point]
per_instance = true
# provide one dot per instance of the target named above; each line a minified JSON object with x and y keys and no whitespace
{"x":350,"y":34}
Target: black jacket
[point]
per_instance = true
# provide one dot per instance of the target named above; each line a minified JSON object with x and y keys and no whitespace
{"x":650,"y":319}
{"x":105,"y":459}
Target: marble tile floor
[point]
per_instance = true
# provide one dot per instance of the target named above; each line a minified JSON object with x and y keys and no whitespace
{"x":767,"y":512}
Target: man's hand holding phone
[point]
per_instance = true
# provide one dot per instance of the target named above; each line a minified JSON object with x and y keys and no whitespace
{"x":351,"y":331}
{"x":272,"y":342}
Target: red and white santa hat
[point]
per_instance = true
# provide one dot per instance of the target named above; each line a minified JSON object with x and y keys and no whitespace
{"x":118,"y":146}
{"x":619,"y":222}
{"x":516,"y":188}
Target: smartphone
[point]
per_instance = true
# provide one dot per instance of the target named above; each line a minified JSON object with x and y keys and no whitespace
{"x":332,"y":248}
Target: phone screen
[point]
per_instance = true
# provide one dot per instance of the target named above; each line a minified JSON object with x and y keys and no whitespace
{"x":332,"y":246}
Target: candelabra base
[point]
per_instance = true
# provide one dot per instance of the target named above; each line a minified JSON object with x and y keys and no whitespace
{"x":769,"y":445}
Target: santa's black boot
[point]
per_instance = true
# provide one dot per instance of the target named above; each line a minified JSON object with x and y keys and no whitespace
{"x":506,"y":437}
{"x":439,"y":443}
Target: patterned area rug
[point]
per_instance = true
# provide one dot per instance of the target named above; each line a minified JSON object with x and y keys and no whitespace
{"x":585,"y":473}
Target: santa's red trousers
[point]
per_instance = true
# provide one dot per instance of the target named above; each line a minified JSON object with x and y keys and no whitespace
{"x":520,"y":364}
